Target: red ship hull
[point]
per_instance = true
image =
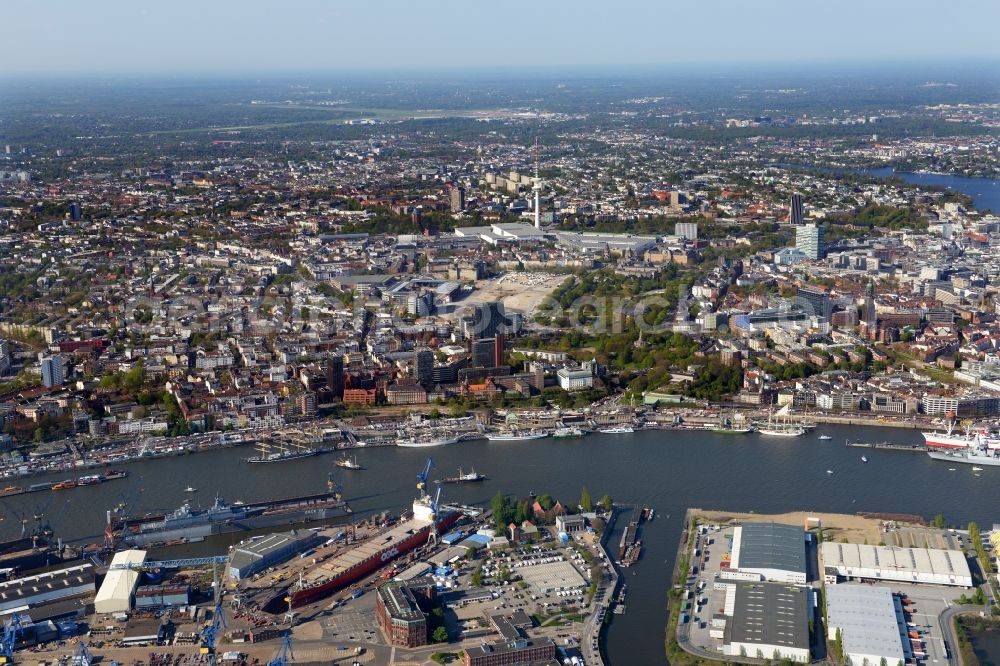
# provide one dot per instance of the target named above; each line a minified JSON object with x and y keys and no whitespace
{"x":373,"y":563}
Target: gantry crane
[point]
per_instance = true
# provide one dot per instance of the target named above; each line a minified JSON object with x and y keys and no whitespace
{"x":82,"y":655}
{"x":12,"y":630}
{"x":422,"y":477}
{"x":210,"y":632}
{"x":284,"y":652}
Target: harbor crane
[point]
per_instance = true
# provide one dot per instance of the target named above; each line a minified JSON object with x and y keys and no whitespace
{"x":437,"y":500}
{"x":82,"y":655}
{"x":334,"y":488}
{"x":155,"y":565}
{"x":12,"y":630}
{"x":422,"y":477}
{"x":432,"y":536}
{"x":284,"y":652}
{"x":210,"y":632}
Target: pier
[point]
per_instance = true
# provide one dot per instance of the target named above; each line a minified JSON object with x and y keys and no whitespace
{"x":888,"y":446}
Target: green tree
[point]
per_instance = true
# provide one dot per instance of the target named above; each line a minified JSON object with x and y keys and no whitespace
{"x":607,"y":503}
{"x":503,"y":511}
{"x":938,"y":521}
{"x":586,"y":503}
{"x":440,"y":635}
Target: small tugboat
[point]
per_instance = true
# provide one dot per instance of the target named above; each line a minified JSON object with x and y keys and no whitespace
{"x":471,"y":477}
{"x":348,"y":463}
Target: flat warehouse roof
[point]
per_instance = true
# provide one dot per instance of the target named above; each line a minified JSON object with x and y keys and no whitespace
{"x":866,"y":618}
{"x":895,"y":560}
{"x":772,"y":546}
{"x":770,"y":614}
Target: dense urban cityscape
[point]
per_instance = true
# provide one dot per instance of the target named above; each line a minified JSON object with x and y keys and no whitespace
{"x":688,"y":366}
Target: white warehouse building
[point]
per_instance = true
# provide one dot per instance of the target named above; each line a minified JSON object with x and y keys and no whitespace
{"x":769,"y":551}
{"x":117,"y":592}
{"x":870,"y":621}
{"x":930,"y":566}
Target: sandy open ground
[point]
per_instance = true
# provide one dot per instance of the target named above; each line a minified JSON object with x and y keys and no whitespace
{"x":520,"y":292}
{"x":836,"y":526}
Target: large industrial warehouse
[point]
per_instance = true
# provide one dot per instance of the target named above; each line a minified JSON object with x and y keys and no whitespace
{"x":260,"y":552}
{"x":768,"y":621}
{"x":870,"y":622}
{"x":117,"y":592}
{"x":930,"y":566}
{"x":775,"y":551}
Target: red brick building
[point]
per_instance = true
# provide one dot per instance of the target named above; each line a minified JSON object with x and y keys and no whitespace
{"x":399,"y":616}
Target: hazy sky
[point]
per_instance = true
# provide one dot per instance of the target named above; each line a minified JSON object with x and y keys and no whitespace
{"x":106,"y":36}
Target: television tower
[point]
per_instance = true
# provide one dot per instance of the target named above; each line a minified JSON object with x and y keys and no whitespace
{"x":537,"y":189}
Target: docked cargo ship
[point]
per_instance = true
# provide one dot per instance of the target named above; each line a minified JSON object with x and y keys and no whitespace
{"x":187,"y":524}
{"x":366,"y":557}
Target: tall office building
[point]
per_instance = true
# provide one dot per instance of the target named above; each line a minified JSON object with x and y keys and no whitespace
{"x":487,"y":352}
{"x":335,"y":375}
{"x":485,"y":321}
{"x":52,"y":371}
{"x":75,"y":211}
{"x":457,"y":198}
{"x":423,"y":368}
{"x":809,"y":240}
{"x":5,"y":362}
{"x":796,"y":209}
{"x":814,"y":301}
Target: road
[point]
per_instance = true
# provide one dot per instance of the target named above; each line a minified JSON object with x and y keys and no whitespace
{"x":947,"y":622}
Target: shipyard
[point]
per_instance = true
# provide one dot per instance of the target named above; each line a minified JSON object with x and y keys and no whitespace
{"x":514,"y":588}
{"x":319,"y":347}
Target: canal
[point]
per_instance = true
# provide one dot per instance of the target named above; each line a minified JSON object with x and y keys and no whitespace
{"x":669,"y":470}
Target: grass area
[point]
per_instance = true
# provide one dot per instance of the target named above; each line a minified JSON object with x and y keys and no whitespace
{"x":937,"y":374}
{"x":562,"y":619}
{"x":445,"y":657}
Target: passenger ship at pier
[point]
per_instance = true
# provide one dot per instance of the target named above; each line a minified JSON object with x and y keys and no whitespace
{"x":952,"y":440}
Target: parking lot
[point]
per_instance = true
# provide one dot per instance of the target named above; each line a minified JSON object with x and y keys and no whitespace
{"x":542,"y":580}
{"x":929,"y":602}
{"x":923,"y":537}
{"x":702,"y":600}
{"x":353,"y":621}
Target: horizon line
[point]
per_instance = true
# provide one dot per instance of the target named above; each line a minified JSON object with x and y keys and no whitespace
{"x":678,"y":67}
